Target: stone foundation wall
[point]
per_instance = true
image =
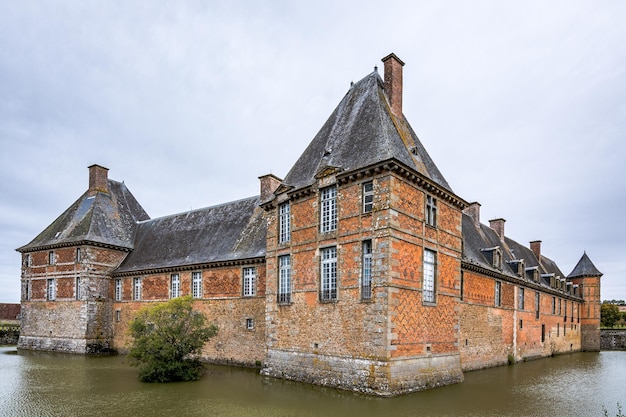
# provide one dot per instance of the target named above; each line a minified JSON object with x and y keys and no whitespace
{"x":374,"y":377}
{"x":612,"y":339}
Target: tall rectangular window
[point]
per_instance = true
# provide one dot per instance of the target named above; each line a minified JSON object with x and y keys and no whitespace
{"x":553,"y":305}
{"x":520,"y":299}
{"x":50,"y":290}
{"x":78,"y":255}
{"x":27,"y":291}
{"x":77,"y":291}
{"x":565,"y":310}
{"x":175,"y":286}
{"x":498,"y":294}
{"x":196,"y":284}
{"x":249,"y":281}
{"x":284,"y":279}
{"x":328,"y":220}
{"x":27,"y":260}
{"x":51,"y":257}
{"x":368,"y":197}
{"x":118,"y":289}
{"x":137,"y":288}
{"x":537,"y":304}
{"x":428,"y":286}
{"x":329,"y":274}
{"x":284,"y":223}
{"x":366,"y":271}
{"x":431,"y":211}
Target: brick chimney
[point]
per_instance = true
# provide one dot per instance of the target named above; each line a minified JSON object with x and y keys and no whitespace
{"x":269,"y":184}
{"x":393,"y":82}
{"x":473,"y":210}
{"x":535,"y":246}
{"x":98,"y":179}
{"x":498,"y":226}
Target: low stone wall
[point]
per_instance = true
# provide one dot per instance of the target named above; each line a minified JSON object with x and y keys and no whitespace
{"x":613,"y":339}
{"x":9,"y":334}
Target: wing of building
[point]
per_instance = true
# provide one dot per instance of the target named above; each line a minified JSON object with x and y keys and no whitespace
{"x":360,"y":270}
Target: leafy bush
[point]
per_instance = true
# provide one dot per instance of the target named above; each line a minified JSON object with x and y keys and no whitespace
{"x":167,"y":340}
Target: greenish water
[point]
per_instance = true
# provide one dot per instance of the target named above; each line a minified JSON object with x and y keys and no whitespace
{"x":38,"y":384}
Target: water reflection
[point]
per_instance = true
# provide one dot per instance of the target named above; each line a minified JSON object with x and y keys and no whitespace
{"x":39,"y":384}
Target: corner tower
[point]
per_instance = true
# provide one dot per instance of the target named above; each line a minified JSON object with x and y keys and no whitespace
{"x":587,"y":277}
{"x":364,"y":254}
{"x":66,"y":294}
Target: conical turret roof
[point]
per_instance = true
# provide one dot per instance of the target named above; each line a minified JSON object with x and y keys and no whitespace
{"x":585,"y":268}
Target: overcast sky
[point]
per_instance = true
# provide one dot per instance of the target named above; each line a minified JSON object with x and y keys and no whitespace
{"x":521,"y":104}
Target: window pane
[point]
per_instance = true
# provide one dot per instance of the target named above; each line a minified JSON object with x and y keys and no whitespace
{"x":429,"y":276}
{"x":284,"y":279}
{"x":249,"y":278}
{"x":284,"y":233}
{"x":329,"y":274}
{"x":368,"y":197}
{"x":328,"y":221}
{"x":366,"y":280}
{"x":196,"y":284}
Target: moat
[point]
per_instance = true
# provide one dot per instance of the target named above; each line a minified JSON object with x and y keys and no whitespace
{"x":42,"y":384}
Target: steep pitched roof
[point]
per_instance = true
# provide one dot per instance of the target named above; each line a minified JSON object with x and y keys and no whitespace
{"x":363,"y":131}
{"x":227,"y":232}
{"x":585,"y":268}
{"x":102,"y":218}
{"x":477,"y":239}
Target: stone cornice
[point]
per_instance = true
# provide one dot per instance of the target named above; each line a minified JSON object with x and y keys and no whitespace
{"x":73,"y":244}
{"x":180,"y":268}
{"x":468,"y":266}
{"x":393,"y":165}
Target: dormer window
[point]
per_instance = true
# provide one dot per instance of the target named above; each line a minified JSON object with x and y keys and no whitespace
{"x":518,"y":265}
{"x":533,"y":273}
{"x":551,"y":278}
{"x":431,"y":211}
{"x":494,"y":256}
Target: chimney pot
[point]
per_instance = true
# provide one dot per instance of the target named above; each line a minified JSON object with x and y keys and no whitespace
{"x":393,"y":82}
{"x":98,"y":179}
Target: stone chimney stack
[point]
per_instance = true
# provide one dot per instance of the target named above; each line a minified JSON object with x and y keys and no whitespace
{"x":535,"y":246}
{"x":393,"y":82}
{"x":98,"y":179}
{"x":498,"y":226}
{"x":269,"y":184}
{"x":473,"y":210}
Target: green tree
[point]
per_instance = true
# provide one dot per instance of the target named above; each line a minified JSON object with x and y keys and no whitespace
{"x":167,"y":340}
{"x":609,"y":315}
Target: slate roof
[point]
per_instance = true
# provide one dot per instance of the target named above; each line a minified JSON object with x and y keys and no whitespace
{"x":585,"y":268}
{"x":484,"y":237}
{"x":360,"y":132}
{"x":227,"y":232}
{"x":102,"y":218}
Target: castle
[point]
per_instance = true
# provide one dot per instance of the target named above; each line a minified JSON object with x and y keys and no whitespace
{"x":360,"y":270}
